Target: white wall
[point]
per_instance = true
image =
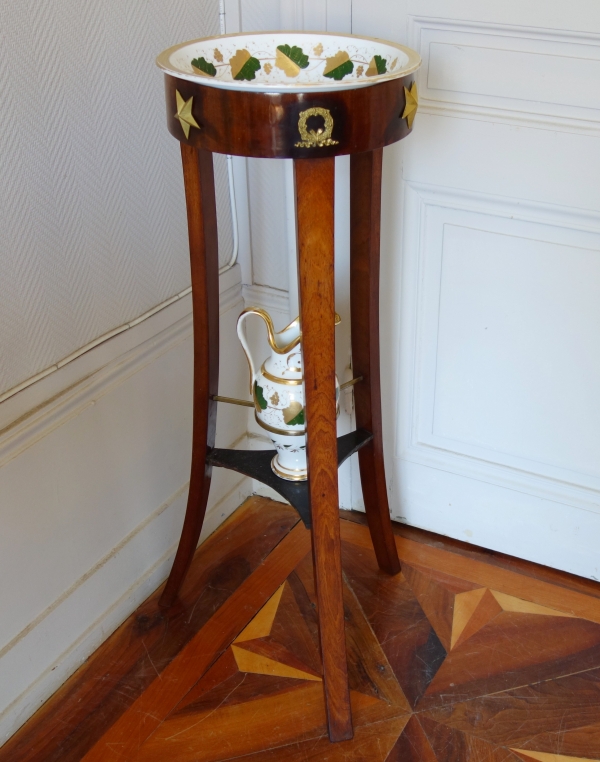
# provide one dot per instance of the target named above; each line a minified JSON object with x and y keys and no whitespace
{"x":92,"y":216}
{"x":95,"y":456}
{"x":93,"y":485}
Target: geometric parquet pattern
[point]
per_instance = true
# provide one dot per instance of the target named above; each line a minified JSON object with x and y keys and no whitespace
{"x":451,"y":660}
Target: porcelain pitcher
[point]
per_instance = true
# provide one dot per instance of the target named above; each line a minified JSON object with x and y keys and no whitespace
{"x":278,"y":393}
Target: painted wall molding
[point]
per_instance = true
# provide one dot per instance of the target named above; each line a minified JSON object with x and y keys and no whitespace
{"x":35,"y":424}
{"x":267,"y":297}
{"x":23,"y":434}
{"x":431,"y":213}
{"x":94,"y":233}
{"x":96,"y":518}
{"x":91,"y":592}
{"x":531,"y":76}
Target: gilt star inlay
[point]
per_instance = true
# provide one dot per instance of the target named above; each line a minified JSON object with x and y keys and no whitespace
{"x":184,"y":113}
{"x":412,"y":104}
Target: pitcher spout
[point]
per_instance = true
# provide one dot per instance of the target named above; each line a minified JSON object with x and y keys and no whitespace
{"x":287,"y":338}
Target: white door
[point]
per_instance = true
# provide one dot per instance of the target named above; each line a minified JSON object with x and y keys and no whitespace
{"x":491,"y":271}
{"x":494,"y":273}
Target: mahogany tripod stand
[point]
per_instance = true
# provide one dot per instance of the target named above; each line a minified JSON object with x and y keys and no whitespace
{"x":359,"y":122}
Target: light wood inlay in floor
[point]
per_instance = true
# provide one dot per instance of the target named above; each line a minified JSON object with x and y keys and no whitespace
{"x":458,"y":658}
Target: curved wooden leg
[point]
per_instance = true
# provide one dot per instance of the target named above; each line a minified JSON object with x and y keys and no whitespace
{"x":365,"y":218}
{"x":315,"y":204}
{"x":204,"y":256}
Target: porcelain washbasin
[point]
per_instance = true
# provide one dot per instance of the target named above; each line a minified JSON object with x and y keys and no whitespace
{"x":288,"y":61}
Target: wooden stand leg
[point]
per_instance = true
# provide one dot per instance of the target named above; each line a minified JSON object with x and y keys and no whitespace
{"x":315,"y":205}
{"x":204,"y":255}
{"x":365,"y":218}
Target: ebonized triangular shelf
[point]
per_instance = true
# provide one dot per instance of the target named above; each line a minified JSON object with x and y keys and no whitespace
{"x":257,"y":465}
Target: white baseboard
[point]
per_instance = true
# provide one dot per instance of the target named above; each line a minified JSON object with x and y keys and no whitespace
{"x":267,"y":297}
{"x":93,"y":466}
{"x":33,"y":412}
{"x":96,"y":591}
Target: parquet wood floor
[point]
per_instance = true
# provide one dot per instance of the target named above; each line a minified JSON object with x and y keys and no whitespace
{"x":464,"y":656}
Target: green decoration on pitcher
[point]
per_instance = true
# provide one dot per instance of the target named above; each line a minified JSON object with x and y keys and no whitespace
{"x":298,"y":420}
{"x":260,"y":397}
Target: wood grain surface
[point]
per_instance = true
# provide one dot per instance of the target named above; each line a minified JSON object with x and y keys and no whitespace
{"x":365,"y":219}
{"x":66,"y":727}
{"x":199,"y":183}
{"x":149,"y":711}
{"x":487,"y":556}
{"x":266,"y":124}
{"x":486,"y":575}
{"x":315,"y":210}
{"x":453,"y":660}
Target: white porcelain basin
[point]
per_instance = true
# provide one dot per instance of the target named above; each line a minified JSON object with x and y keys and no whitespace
{"x":288,"y":61}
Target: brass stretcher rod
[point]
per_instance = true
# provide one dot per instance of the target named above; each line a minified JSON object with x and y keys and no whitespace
{"x":247,"y":403}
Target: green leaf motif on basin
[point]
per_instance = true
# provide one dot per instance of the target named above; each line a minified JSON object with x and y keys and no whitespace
{"x":295,"y":54}
{"x":259,"y":396}
{"x":248,"y":70}
{"x":381,"y":65}
{"x":340,"y":71}
{"x":204,"y":66}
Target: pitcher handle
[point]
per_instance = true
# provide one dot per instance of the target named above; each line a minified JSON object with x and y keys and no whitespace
{"x":241,"y":332}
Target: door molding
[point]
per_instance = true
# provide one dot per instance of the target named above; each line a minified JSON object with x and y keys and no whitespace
{"x":429,"y":210}
{"x":500,"y":72}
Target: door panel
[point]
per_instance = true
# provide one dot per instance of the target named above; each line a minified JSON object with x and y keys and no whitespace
{"x":491,"y":277}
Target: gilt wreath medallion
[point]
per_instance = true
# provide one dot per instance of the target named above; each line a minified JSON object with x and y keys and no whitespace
{"x":315,"y":138}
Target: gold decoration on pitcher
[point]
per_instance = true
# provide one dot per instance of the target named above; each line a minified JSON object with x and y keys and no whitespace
{"x":184,"y":113}
{"x":412,"y":104}
{"x":271,"y":333}
{"x":279,"y":380}
{"x":293,"y":414}
{"x":278,"y":393}
{"x":316,"y":138}
{"x":275,"y":430}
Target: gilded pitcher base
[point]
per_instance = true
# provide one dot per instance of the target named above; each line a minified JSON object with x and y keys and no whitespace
{"x":290,"y":475}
